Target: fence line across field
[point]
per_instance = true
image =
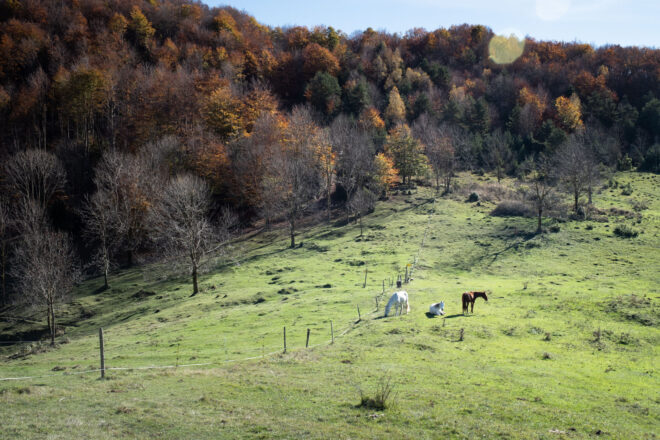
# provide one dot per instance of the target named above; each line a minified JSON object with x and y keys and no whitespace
{"x":342,"y":333}
{"x":165,"y":367}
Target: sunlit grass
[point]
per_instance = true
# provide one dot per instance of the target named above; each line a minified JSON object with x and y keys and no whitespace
{"x":530,"y":361}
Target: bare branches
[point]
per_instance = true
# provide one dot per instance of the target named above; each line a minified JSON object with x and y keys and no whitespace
{"x":498,"y":155}
{"x":362,"y":203}
{"x":295,"y":168}
{"x":129,"y":184}
{"x":179,"y":221}
{"x":36,"y":175}
{"x":101,"y":216}
{"x":541,"y":178}
{"x":355,"y":151}
{"x":43,"y":265}
{"x":439,"y":149}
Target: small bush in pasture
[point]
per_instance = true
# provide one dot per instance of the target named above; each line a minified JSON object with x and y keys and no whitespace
{"x":546,"y":356}
{"x":383,"y":396}
{"x":474,"y":197}
{"x":511,"y":208}
{"x":626,"y":339}
{"x":625,"y":231}
{"x":597,"y":335}
{"x":589,"y":227}
{"x":555,"y":228}
{"x":624,"y":164}
{"x":639,"y":205}
{"x":509,"y":331}
{"x":635,"y":308}
{"x":547,"y":337}
{"x":627,"y":190}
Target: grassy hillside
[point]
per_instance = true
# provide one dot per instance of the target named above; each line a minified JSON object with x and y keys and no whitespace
{"x":567,"y":346}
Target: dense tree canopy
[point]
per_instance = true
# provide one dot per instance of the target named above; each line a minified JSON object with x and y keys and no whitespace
{"x":121,"y":95}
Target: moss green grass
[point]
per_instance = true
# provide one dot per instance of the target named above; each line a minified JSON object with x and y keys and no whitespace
{"x":566,"y":346}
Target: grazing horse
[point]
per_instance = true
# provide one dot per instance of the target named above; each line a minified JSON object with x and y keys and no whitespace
{"x":398,"y":299}
{"x":470,"y":297}
{"x":437,"y":308}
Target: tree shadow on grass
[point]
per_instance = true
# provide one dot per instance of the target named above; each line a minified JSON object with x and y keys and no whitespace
{"x":513,"y":239}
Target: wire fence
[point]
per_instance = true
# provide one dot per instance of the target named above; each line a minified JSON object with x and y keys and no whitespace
{"x":280,"y":350}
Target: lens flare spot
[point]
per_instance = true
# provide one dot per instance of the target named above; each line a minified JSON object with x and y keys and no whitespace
{"x":505,"y":50}
{"x":551,"y":10}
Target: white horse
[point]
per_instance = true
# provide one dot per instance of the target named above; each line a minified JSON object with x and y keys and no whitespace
{"x":398,"y":299}
{"x":437,"y":308}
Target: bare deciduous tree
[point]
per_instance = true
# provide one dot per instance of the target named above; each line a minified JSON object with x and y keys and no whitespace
{"x":577,"y":167}
{"x":43,"y":264}
{"x":296,"y":168}
{"x":498,"y":154}
{"x":541,"y":179}
{"x":131,"y":183}
{"x":100,"y":215}
{"x":354,"y":150}
{"x":361,"y":204}
{"x":4,"y":249}
{"x":180,"y":222}
{"x":439,"y":150}
{"x":36,"y":175}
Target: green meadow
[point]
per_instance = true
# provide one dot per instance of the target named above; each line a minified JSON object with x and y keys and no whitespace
{"x":566,"y":347}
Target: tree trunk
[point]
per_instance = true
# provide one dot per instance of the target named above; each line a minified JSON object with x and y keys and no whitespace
{"x":576,"y":196}
{"x":292,"y":223}
{"x":539,"y":229}
{"x":51,"y":312}
{"x":194,"y":277}
{"x":329,"y":206}
{"x":360,"y":214}
{"x":106,"y":265}
{"x":129,"y":258}
{"x":3,"y":262}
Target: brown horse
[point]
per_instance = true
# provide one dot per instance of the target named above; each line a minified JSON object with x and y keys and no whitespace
{"x":470,"y":297}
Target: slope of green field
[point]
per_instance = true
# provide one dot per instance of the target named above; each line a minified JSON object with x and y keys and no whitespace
{"x":566,"y":347}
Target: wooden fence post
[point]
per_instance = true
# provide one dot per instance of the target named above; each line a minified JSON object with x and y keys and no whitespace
{"x":365,"y":277}
{"x":359,"y":317}
{"x":307,"y":341}
{"x":102,"y":354}
{"x":332,"y":333}
{"x":284,"y":339}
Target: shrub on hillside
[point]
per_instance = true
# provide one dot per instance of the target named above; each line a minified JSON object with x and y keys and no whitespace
{"x":383,"y":397}
{"x":625,"y":231}
{"x":474,"y":197}
{"x":511,"y":208}
{"x":651,"y":162}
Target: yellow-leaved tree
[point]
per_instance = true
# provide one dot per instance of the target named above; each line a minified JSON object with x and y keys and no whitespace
{"x":395,"y":113}
{"x":385,"y":175}
{"x":569,"y":112}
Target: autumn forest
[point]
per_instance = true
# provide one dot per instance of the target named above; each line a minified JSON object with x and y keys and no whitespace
{"x":115,"y":114}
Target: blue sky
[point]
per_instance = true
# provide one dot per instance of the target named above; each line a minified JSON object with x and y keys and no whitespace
{"x":599,"y":22}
